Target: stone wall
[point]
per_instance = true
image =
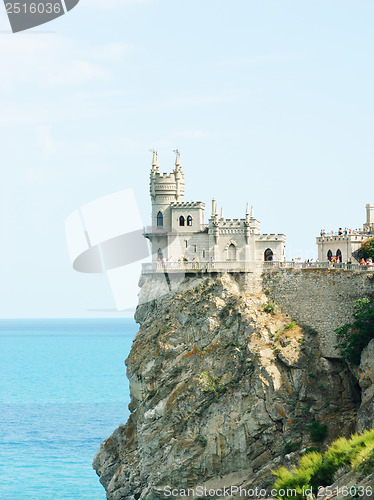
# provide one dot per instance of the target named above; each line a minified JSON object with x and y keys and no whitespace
{"x":320,"y":298}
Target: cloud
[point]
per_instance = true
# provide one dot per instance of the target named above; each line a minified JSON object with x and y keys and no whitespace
{"x":50,"y":60}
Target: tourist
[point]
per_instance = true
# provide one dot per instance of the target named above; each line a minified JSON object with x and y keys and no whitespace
{"x":363,"y":262}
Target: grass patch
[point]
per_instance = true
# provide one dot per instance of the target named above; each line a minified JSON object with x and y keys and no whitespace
{"x":290,"y":326}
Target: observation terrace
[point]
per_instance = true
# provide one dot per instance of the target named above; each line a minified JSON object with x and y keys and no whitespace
{"x":244,"y":266}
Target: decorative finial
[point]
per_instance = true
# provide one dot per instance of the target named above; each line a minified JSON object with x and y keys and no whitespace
{"x":178,"y":164}
{"x":247,"y":209}
{"x":222,"y":217}
{"x":252,"y":213}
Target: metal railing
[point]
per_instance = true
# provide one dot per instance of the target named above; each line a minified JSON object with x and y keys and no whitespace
{"x":244,"y":266}
{"x":221,"y":266}
{"x":318,"y":265}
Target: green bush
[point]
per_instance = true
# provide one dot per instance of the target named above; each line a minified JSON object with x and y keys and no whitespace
{"x":269,"y":308}
{"x":355,"y":336}
{"x":201,"y":440}
{"x":316,"y":469}
{"x":291,"y":446}
{"x":318,"y":431}
{"x":367,"y":248}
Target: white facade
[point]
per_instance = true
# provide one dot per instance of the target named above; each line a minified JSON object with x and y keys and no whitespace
{"x":178,"y":229}
{"x":341,"y":247}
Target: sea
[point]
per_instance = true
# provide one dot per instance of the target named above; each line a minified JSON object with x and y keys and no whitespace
{"x":63,"y":390}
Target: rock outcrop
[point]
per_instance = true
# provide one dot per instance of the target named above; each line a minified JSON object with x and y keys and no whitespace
{"x":365,"y":417}
{"x":223,"y":390}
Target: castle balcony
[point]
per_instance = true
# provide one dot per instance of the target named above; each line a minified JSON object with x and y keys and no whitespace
{"x":343,"y":237}
{"x":244,"y":267}
{"x":200,"y":267}
{"x":157,"y":231}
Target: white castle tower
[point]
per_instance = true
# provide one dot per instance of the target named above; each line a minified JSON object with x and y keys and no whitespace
{"x":165,"y":189}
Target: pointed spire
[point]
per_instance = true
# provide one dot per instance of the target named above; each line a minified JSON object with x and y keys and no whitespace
{"x":222,"y":217}
{"x":252,"y":213}
{"x":155,"y":164}
{"x":213,"y":208}
{"x":178,"y":164}
{"x":247,"y":209}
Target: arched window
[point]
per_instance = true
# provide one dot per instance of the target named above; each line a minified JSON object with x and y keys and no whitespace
{"x":189,"y":220}
{"x":160,"y":219}
{"x":181,"y":220}
{"x":160,"y":254}
{"x":231,"y":252}
{"x":338,"y":255}
{"x":268,"y":255}
{"x":329,"y":255}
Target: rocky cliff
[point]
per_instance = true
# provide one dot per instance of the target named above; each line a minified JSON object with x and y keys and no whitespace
{"x":224,"y":388}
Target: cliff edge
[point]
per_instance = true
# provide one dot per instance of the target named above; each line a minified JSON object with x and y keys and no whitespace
{"x":224,"y":388}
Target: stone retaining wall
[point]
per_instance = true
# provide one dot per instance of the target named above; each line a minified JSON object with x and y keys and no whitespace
{"x":321,"y":298}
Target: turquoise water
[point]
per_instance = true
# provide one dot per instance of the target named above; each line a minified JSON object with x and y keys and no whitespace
{"x":63,"y":390}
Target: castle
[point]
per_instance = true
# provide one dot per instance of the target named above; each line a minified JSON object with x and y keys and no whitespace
{"x":340,"y":246}
{"x":178,"y":231}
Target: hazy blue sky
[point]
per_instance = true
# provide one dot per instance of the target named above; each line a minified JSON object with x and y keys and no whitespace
{"x":269,"y":101}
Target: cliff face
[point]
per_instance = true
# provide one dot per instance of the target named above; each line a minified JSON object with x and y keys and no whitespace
{"x":221,"y":391}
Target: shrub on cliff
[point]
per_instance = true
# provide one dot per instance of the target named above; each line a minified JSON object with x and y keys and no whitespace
{"x":318,"y":431}
{"x":367,"y":248}
{"x":355,"y":336}
{"x":316,"y":469}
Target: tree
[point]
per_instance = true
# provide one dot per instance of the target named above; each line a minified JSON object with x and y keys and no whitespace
{"x":355,"y":336}
{"x":367,"y":248}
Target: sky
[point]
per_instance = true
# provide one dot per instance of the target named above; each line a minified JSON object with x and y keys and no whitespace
{"x":270,"y":102}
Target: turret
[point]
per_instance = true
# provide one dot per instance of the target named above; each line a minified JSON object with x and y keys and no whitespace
{"x":165,"y":189}
{"x":369,"y":216}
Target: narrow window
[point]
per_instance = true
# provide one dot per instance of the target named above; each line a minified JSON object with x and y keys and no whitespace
{"x":231,"y":252}
{"x":203,"y":254}
{"x":195,"y":248}
{"x":186,"y":241}
{"x":268,"y":255}
{"x":160,"y":219}
{"x":181,"y":220}
{"x":189,"y":220}
{"x":338,"y":255}
{"x":160,"y":254}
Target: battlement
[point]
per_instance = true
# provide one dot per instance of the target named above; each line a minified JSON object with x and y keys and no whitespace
{"x":187,"y":204}
{"x":164,"y":177}
{"x":272,"y":236}
{"x":230,"y":223}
